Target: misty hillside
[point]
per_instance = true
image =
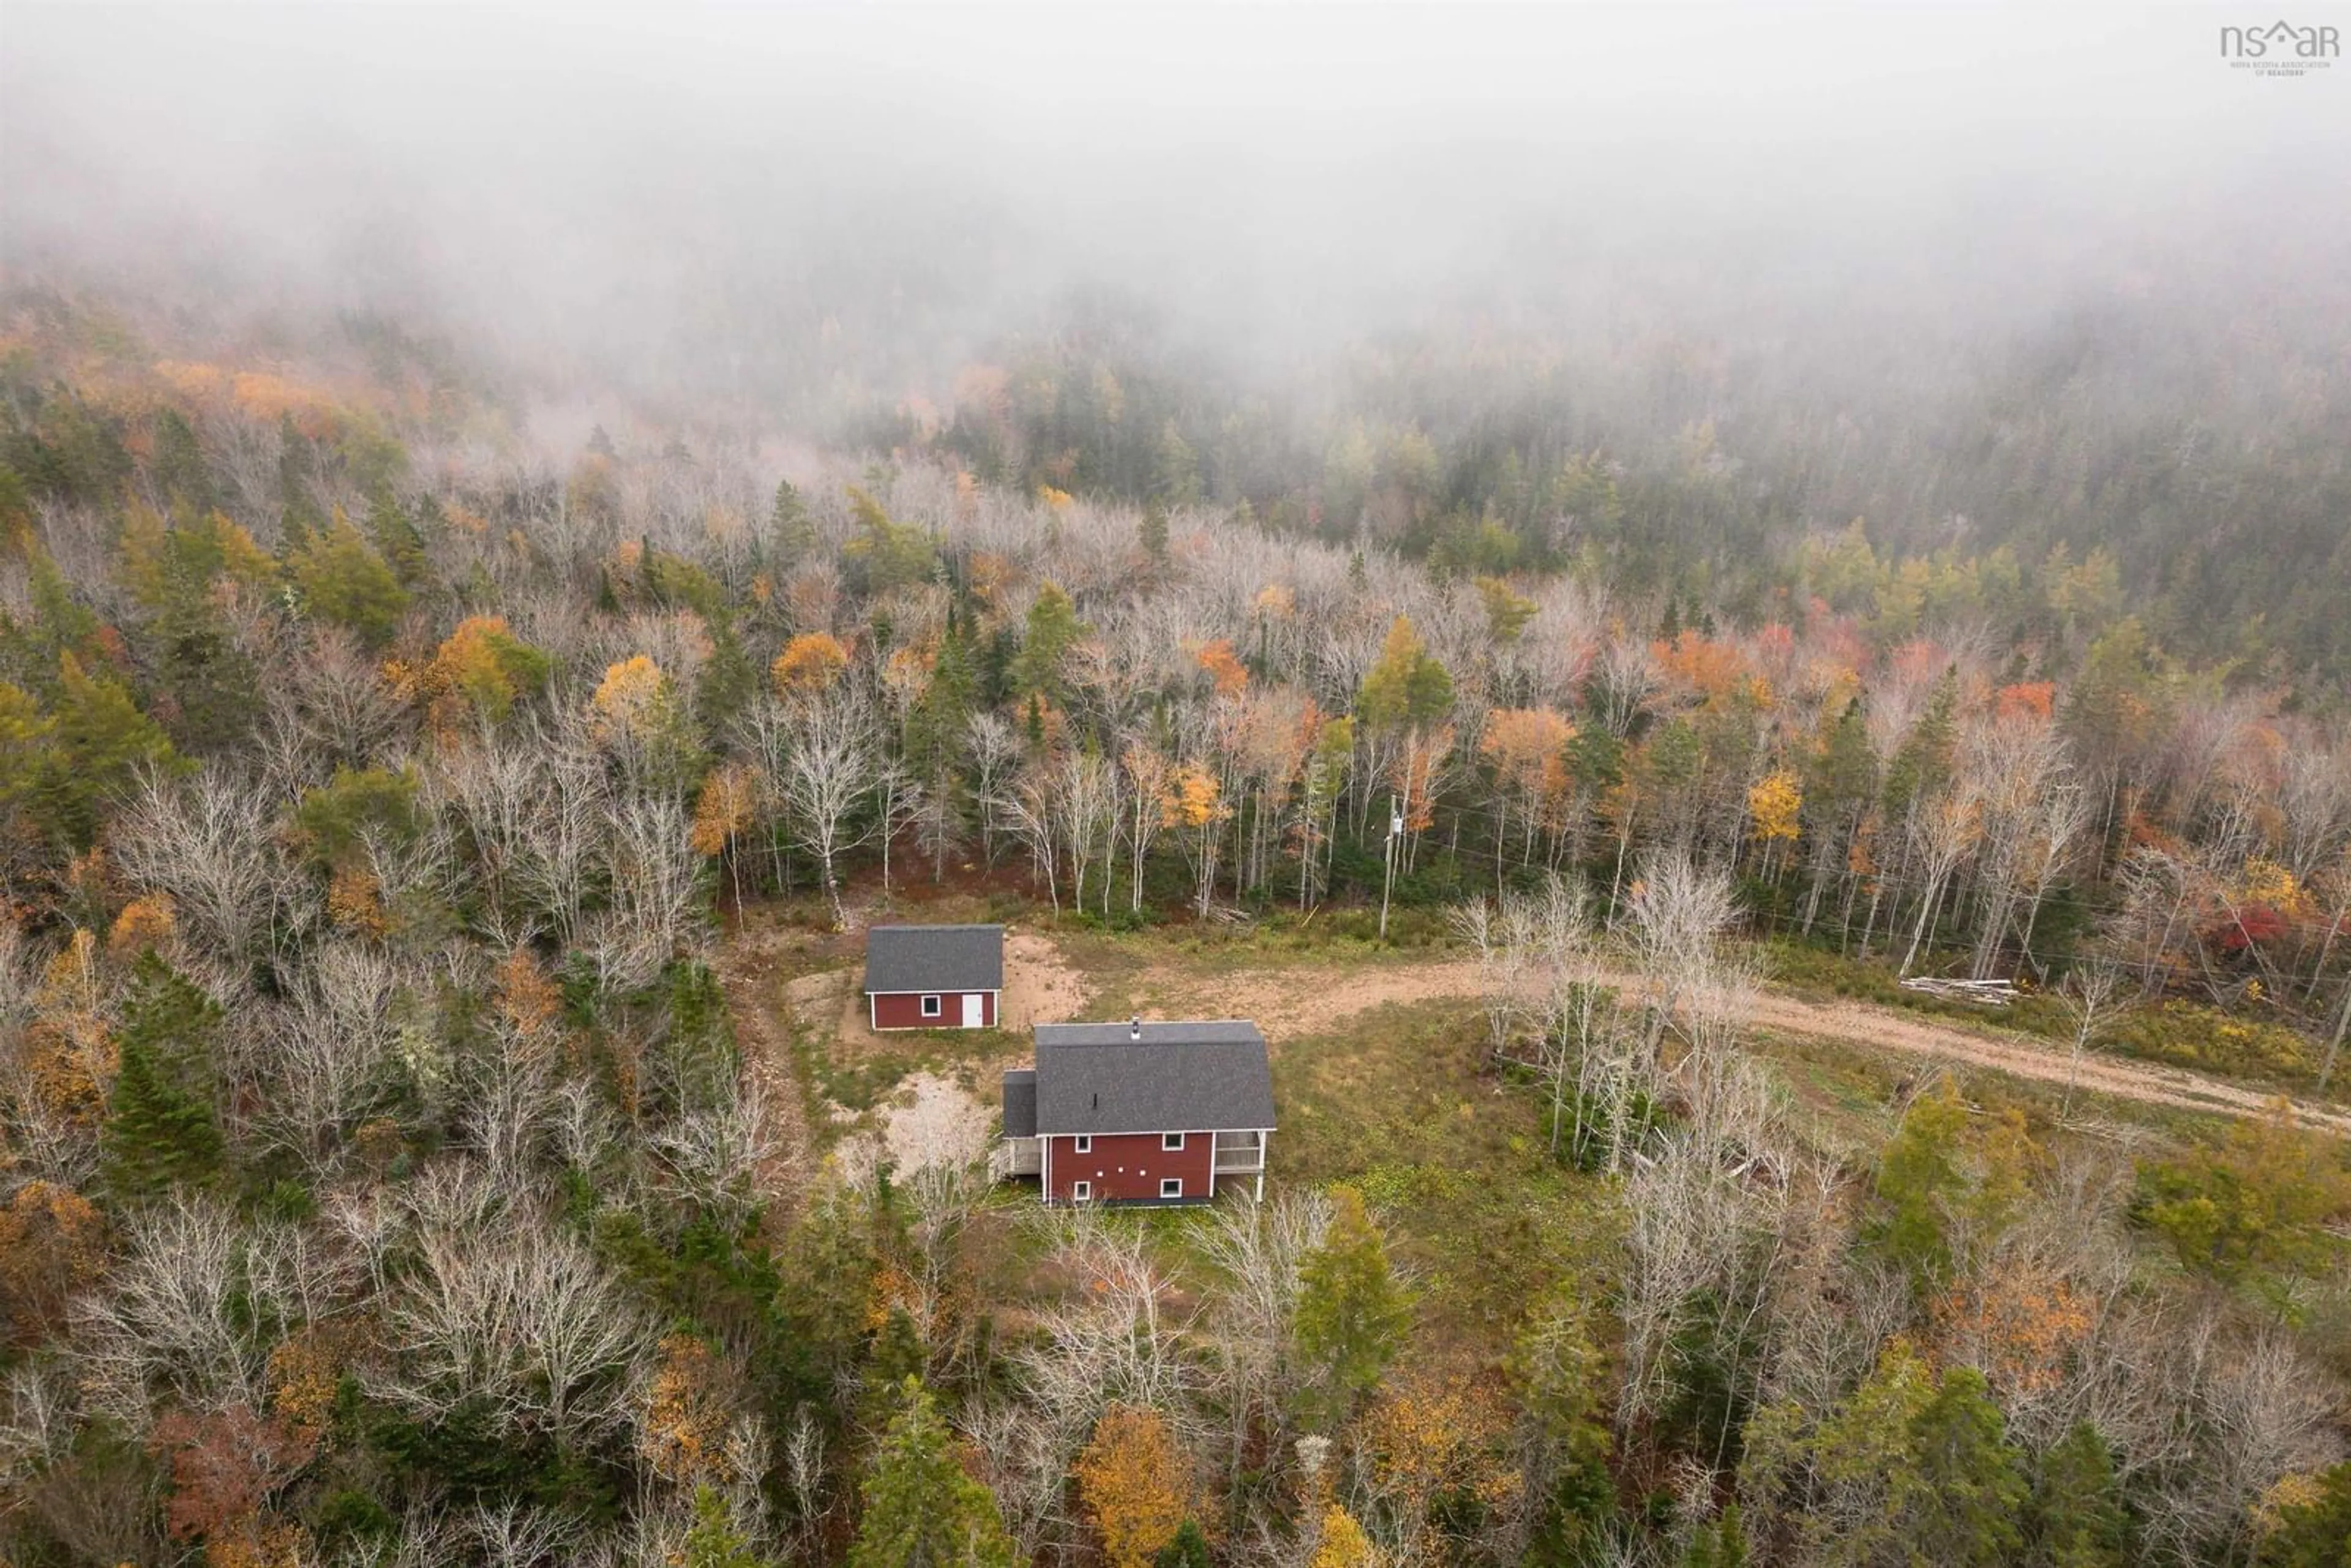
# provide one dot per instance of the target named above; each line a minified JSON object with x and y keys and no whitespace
{"x":1714,"y":643}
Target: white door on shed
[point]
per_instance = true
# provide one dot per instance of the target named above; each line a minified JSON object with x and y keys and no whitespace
{"x":972,"y":1003}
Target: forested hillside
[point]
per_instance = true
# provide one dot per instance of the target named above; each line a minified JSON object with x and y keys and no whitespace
{"x":384,"y":1181}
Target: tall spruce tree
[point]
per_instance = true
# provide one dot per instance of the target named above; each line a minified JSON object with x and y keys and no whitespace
{"x":921,"y":1510}
{"x":159,"y":1131}
{"x":1352,"y":1309}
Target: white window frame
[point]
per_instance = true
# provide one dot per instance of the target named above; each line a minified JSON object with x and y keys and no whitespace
{"x":1166,"y":1182}
{"x":1171,"y":1143}
{"x":1081,"y":1192}
{"x":1082,"y":1143}
{"x":935,"y":1007}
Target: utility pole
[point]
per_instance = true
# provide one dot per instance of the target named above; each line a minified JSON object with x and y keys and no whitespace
{"x":1387,"y":883}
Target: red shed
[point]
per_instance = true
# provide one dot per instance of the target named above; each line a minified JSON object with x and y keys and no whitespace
{"x":934,"y":976}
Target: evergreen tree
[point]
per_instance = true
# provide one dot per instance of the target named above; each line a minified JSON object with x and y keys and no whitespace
{"x":182,"y":475}
{"x":2077,"y":1511}
{"x":298,"y":517}
{"x":1352,"y":1312}
{"x":1151,"y":535}
{"x":1407,"y":687}
{"x":103,"y":742}
{"x":728,"y":680}
{"x":790,"y":532}
{"x":1843,"y":773}
{"x":397,"y":537}
{"x":1176,"y":474}
{"x":2312,"y":1531}
{"x":1053,"y":629}
{"x":1188,"y":1550}
{"x":921,"y":1510}
{"x":1971,"y":1479}
{"x":1721,"y":1543}
{"x":1919,"y":1176}
{"x":62,"y":624}
{"x":25,"y":752}
{"x":159,"y":1129}
{"x":16,"y":513}
{"x":714,"y":1541}
{"x":343,"y":579}
{"x":1922,"y":763}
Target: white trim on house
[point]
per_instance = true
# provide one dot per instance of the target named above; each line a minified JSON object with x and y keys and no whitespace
{"x":1178,"y":1146}
{"x":994,"y":1007}
{"x":1166,"y":1182}
{"x":1082,"y":1143}
{"x":1081,"y":1192}
{"x":1144,"y":1132}
{"x":933,"y":1004}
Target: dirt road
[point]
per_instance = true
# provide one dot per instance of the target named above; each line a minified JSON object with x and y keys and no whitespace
{"x":1300,"y":1000}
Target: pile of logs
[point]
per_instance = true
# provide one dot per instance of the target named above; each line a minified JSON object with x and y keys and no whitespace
{"x":1986,"y":993}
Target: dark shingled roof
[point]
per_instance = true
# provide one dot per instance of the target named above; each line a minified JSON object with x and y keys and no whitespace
{"x":935,"y":958}
{"x":1021,"y":1103}
{"x":1177,"y":1078}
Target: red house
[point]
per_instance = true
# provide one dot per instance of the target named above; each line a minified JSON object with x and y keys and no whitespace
{"x":934,"y":976}
{"x":1140,"y":1113}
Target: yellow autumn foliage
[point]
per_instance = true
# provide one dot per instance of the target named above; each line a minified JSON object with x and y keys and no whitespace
{"x":1776,"y":802}
{"x":724,"y":807}
{"x":1191,"y":799}
{"x":630,"y":701}
{"x":1134,"y":1485}
{"x":810,"y":663}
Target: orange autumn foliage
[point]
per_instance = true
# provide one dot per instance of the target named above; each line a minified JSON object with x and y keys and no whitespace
{"x":225,"y":1465}
{"x":529,"y":1001}
{"x":810,"y":663}
{"x":687,"y":1414}
{"x":144,"y":923}
{"x":1224,"y":666}
{"x":1699,"y":664}
{"x":1436,"y":1432}
{"x":355,"y":902}
{"x":52,"y":1248}
{"x":305,"y":1375}
{"x":1527,"y":746}
{"x":1134,"y":1485}
{"x":1776,"y":803}
{"x":2026,"y":699}
{"x":2016,"y":1323}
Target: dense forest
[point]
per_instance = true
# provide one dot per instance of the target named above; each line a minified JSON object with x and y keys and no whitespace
{"x":385,"y":1181}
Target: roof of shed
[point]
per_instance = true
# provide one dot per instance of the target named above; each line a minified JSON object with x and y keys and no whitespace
{"x":901,"y":958}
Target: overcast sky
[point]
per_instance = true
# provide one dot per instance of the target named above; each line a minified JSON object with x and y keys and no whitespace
{"x":1247,"y":166}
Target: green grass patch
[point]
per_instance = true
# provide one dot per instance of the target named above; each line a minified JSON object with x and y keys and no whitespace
{"x":1454,"y":1160}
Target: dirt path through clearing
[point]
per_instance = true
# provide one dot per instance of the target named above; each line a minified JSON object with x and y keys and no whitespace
{"x":1293,"y":1001}
{"x":751,"y":970}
